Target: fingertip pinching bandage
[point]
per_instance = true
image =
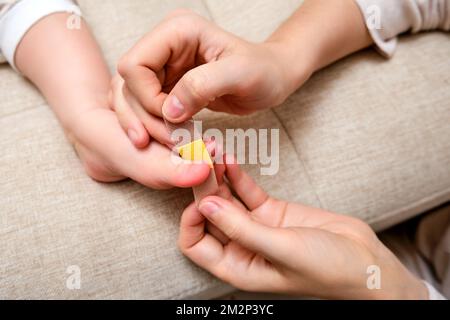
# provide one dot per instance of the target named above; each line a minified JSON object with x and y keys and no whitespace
{"x":192,"y":148}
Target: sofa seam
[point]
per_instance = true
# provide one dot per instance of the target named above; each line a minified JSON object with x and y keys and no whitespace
{"x":14,"y":113}
{"x":302,"y":162}
{"x":208,"y":9}
{"x":416,"y":204}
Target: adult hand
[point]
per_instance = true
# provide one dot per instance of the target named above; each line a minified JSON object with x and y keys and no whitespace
{"x":187,"y":63}
{"x":140,"y":125}
{"x":274,"y":246}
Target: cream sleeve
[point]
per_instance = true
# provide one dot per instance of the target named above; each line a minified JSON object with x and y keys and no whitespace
{"x":386,"y":19}
{"x":17,"y":17}
{"x":433,"y":294}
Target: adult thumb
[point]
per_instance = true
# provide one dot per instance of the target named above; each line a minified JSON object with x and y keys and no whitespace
{"x":198,"y":87}
{"x":238,"y":225}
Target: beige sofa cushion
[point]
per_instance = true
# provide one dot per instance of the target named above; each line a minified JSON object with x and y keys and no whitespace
{"x":365,"y":137}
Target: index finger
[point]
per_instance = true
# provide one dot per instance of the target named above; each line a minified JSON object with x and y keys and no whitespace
{"x":143,"y":66}
{"x":201,"y":247}
{"x":140,"y":67}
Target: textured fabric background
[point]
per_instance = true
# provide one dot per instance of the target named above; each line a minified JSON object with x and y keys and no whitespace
{"x":366,"y":137}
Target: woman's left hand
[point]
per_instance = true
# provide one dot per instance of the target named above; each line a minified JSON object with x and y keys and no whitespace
{"x":270,"y":245}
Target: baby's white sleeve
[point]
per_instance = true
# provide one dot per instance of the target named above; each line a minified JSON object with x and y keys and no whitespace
{"x":386,"y":19}
{"x":17,"y":17}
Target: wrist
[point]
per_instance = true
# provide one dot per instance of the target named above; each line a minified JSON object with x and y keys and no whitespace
{"x":294,"y":67}
{"x":397,"y":282}
{"x":72,"y":118}
{"x":409,"y":289}
{"x":311,"y":39}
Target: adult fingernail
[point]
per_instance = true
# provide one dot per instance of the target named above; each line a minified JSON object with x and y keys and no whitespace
{"x":208,"y":208}
{"x":133,"y":135}
{"x":174,"y":109}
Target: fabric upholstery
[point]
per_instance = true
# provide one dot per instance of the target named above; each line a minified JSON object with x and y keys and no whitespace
{"x":365,"y":137}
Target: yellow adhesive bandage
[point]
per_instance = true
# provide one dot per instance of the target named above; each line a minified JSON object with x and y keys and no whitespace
{"x":195,"y":151}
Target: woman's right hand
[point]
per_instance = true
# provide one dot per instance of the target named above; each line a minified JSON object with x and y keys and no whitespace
{"x":188,"y":63}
